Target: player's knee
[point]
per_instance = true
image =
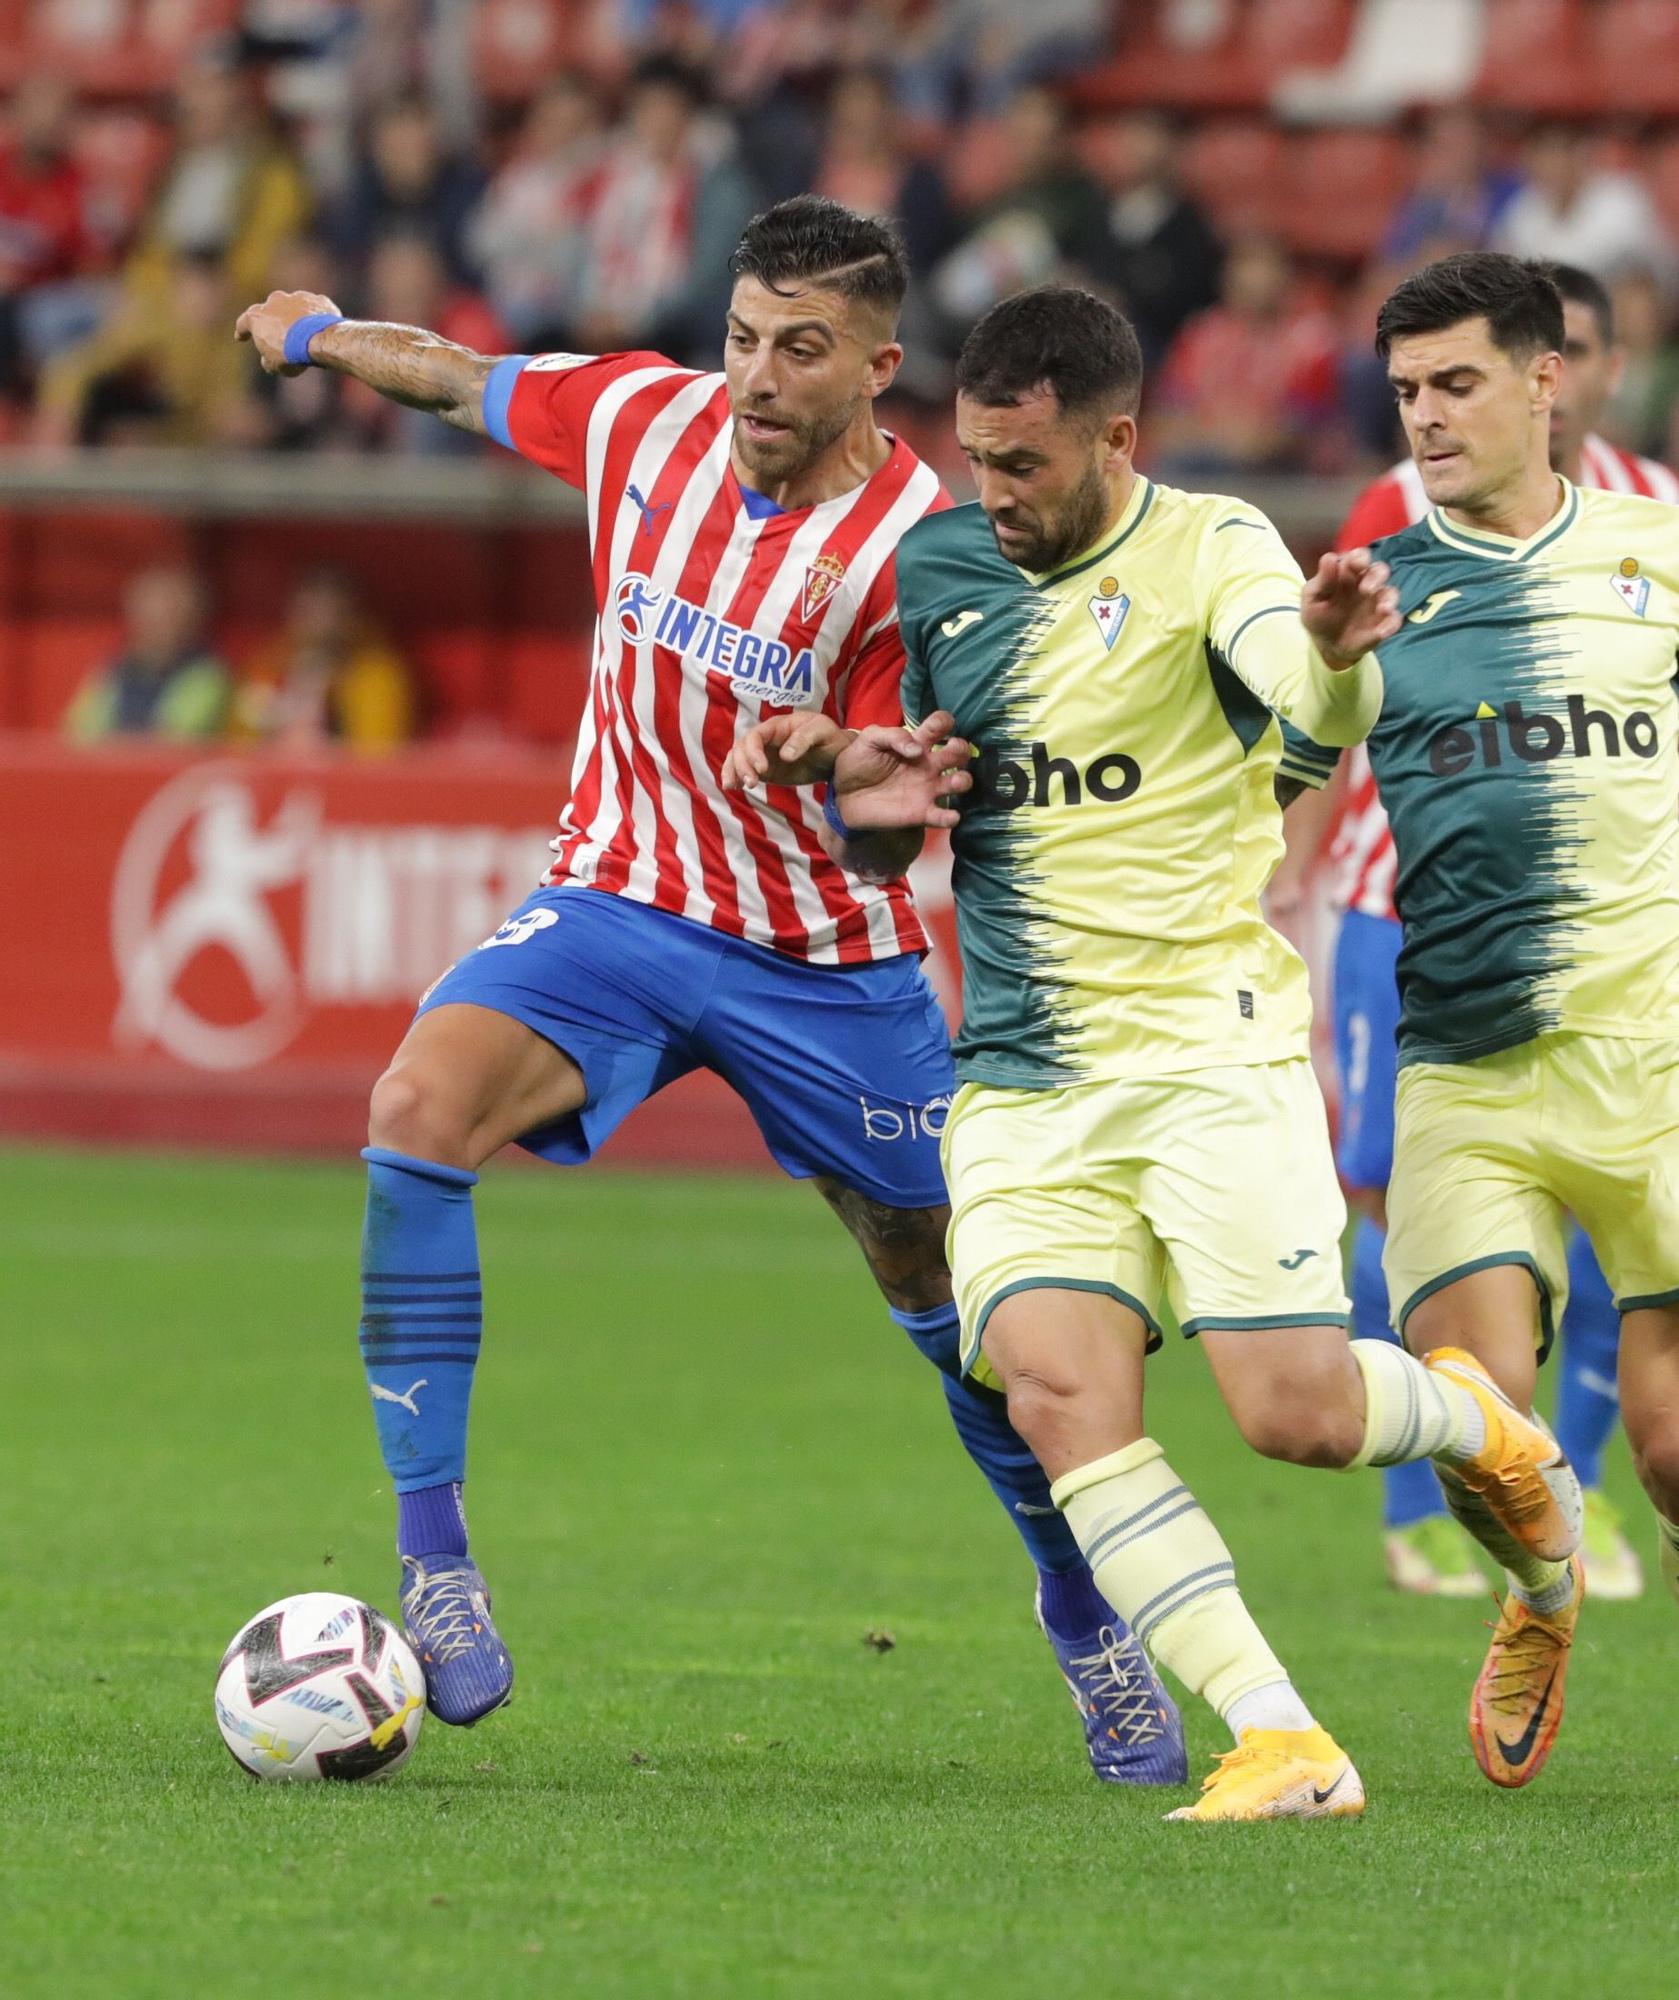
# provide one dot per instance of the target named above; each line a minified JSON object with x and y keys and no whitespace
{"x":1301,"y":1420}
{"x":1656,"y":1455}
{"x":1042,"y":1404}
{"x":407,"y":1114}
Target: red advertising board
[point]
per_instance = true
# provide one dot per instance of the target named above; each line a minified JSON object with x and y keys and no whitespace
{"x":227,"y":950}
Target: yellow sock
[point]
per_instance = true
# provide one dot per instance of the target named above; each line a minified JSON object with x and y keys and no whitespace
{"x":1164,"y":1568}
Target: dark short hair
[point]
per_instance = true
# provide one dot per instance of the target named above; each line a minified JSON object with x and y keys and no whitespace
{"x":666,"y":72}
{"x":1055,"y":337}
{"x":812,"y":240}
{"x":1581,"y":288}
{"x":1516,"y":297}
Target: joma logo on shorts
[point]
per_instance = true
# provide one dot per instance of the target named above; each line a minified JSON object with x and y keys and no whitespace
{"x":1003,"y":784}
{"x":1532,"y":736}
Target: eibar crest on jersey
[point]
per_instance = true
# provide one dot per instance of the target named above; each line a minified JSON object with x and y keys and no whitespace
{"x":1108,"y":607}
{"x":1632,"y":589}
{"x":822,"y":579}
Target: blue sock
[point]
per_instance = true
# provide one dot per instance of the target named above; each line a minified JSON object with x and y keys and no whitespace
{"x":1410,"y":1493}
{"x":422,"y":1320}
{"x":1072,"y":1602}
{"x":1588,"y":1401}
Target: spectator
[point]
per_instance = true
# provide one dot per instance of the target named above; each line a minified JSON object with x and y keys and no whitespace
{"x":230,"y":193}
{"x":1049,"y":214}
{"x":47,"y":246}
{"x":148,"y":378}
{"x":1459,"y":196}
{"x":1250,"y":384}
{"x":1639,"y":412}
{"x":328,"y":678}
{"x":1574,"y":213}
{"x":302,"y":412}
{"x":977,"y":55}
{"x":527,"y":235}
{"x":865,"y":165}
{"x":409,"y":285}
{"x":407,"y":184}
{"x":167,"y":681}
{"x":670,"y":209}
{"x":1159,"y":253}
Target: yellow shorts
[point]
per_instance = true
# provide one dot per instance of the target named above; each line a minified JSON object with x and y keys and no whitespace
{"x":1488,"y":1156}
{"x":1213,"y":1190}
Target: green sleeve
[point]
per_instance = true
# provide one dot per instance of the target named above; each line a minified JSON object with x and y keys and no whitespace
{"x":1308,"y":762}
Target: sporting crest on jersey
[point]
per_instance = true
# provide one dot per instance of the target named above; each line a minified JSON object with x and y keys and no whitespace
{"x":1632,"y":589}
{"x":822,"y":578}
{"x":1108,"y":607}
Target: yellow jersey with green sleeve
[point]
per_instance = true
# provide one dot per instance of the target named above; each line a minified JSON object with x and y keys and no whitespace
{"x":1109,"y":860}
{"x":1528,"y":759}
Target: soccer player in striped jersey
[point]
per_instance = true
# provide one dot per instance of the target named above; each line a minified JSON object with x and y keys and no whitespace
{"x":743,"y":527}
{"x":1424,"y":1552}
{"x":1139,"y":1123}
{"x":1526,"y":753}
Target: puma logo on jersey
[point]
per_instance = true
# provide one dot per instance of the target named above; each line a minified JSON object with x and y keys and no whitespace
{"x":953,"y":628}
{"x":1427,"y":612}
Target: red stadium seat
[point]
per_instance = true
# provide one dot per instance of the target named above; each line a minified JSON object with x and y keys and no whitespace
{"x":56,"y":655}
{"x":1288,"y":35}
{"x":518,"y":44}
{"x":1661,"y":169}
{"x":1343,"y":187}
{"x":1234,"y":166}
{"x":1537,"y":57}
{"x":87,"y":40}
{"x":1183,"y":57}
{"x":1636,"y":44}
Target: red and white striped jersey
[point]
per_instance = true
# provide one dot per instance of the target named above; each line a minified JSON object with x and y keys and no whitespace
{"x":714,"y":608}
{"x":1361,"y":856}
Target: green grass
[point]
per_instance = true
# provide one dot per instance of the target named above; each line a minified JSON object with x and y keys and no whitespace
{"x":705,"y":1466}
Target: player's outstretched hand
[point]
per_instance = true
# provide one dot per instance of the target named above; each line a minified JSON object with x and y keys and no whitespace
{"x":798,"y":748}
{"x":1349,"y":606}
{"x":903,"y":777}
{"x":265,"y":326}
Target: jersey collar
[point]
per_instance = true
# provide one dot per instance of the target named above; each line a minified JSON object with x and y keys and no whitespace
{"x":1505,"y":548}
{"x":1142,"y":498}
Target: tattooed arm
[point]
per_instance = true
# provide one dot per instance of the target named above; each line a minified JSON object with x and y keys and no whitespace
{"x":403,"y":362}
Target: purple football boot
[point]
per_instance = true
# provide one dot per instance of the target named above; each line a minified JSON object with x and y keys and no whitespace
{"x":1132,"y":1729}
{"x":446,"y":1615}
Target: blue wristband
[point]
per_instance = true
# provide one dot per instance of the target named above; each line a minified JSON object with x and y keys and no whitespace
{"x":301,"y":332}
{"x":831,"y":813}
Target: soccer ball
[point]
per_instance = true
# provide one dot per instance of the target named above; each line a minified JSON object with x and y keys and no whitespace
{"x":320,"y":1686}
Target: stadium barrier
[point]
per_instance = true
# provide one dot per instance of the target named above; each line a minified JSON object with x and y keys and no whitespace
{"x":225,"y":951}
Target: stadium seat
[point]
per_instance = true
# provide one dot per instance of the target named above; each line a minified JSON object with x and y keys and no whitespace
{"x":1234,"y":167}
{"x":1537,"y":58}
{"x":518,"y":44}
{"x":1342,"y":188}
{"x":1636,"y":45}
{"x":1287,"y":35}
{"x":121,"y":152}
{"x":1186,"y":55}
{"x":55,"y":656}
{"x":1661,"y":169}
{"x":90,"y":41}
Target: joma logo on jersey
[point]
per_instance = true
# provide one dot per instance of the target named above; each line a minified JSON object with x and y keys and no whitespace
{"x":1532,"y":736}
{"x":1004,"y":784}
{"x":648,"y":613}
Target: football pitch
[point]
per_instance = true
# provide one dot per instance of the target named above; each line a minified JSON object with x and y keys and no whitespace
{"x":784,"y":1725}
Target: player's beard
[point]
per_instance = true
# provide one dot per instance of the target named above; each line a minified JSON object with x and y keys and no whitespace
{"x":1080,"y":521}
{"x":799,"y":446}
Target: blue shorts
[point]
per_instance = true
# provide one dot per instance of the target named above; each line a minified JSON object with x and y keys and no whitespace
{"x":1367,"y":1046}
{"x":846,"y":1069}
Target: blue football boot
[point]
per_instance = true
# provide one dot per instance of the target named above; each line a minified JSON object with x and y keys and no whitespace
{"x":1132,"y":1729}
{"x":446,"y":1615}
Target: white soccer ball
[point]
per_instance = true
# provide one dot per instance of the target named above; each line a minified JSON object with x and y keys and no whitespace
{"x":320,"y":1686}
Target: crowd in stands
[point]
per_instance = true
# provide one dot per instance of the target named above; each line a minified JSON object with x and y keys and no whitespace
{"x":588,"y":197}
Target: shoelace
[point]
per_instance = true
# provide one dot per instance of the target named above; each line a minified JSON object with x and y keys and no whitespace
{"x":1528,"y":1649}
{"x":441,"y":1611}
{"x":1121,"y":1688}
{"x":1235,"y":1763}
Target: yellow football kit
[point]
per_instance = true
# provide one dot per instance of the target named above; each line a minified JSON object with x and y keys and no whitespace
{"x":1137,"y":1101}
{"x":1526,"y":755}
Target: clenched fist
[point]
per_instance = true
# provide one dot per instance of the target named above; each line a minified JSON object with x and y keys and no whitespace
{"x":265,"y":326}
